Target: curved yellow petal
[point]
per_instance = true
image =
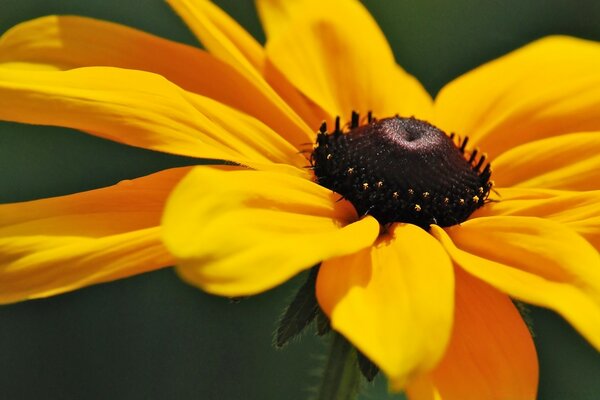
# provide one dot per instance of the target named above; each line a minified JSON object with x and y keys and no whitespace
{"x":59,"y":244}
{"x":243,"y":232}
{"x":228,"y":41}
{"x":220,"y":34}
{"x":335,"y":53}
{"x":579,"y":211}
{"x":566,"y":162}
{"x":534,"y":260}
{"x":491,"y":354}
{"x":385,"y":301}
{"x":140,"y":109}
{"x":276,"y":14}
{"x":549,"y":87}
{"x":66,"y":42}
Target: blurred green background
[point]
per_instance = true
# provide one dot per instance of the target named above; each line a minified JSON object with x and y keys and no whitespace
{"x":152,"y":336}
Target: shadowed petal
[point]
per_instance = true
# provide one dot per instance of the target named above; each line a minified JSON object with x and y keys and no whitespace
{"x":140,"y":109}
{"x":393,"y":301}
{"x":566,"y":162}
{"x":63,"y":243}
{"x":335,"y":53}
{"x":534,"y":260}
{"x":243,"y":232}
{"x":549,"y":87}
{"x":491,"y":354}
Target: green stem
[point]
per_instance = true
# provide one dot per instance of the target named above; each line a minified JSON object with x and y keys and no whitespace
{"x":341,"y":378}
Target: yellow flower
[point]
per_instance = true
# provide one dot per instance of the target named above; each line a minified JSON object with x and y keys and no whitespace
{"x":430,"y":307}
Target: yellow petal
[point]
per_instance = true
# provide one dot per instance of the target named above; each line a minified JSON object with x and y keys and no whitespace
{"x":140,"y":109}
{"x":491,"y":354}
{"x":228,"y":41}
{"x":566,"y":162}
{"x":384,"y":300}
{"x":580,"y":211}
{"x":547,"y":88}
{"x":42,"y":44}
{"x":534,"y":260}
{"x":220,"y":34}
{"x":335,"y":53}
{"x":276,"y":14}
{"x":243,"y":232}
{"x":59,"y":244}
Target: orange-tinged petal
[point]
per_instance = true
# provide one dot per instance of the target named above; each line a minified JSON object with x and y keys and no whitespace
{"x":228,"y":41}
{"x":335,"y":53}
{"x":534,"y":260}
{"x":66,"y":42}
{"x":140,"y":109}
{"x":566,"y":162}
{"x":54,"y":245}
{"x":580,"y":211}
{"x":423,"y":388}
{"x":393,"y":301}
{"x":547,"y":88}
{"x":243,"y":232}
{"x":491,"y":354}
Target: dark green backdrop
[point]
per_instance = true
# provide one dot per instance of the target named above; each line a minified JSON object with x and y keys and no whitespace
{"x":153,"y":337}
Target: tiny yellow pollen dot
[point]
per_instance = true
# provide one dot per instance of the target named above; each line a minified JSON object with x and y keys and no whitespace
{"x":329,"y":156}
{"x":350,"y":171}
{"x":461,"y":202}
{"x":475,"y":199}
{"x":446,"y":200}
{"x":379,"y":184}
{"x":426,"y":195}
{"x":411,"y":192}
{"x":395,"y":195}
{"x":365,"y":186}
{"x":417,"y":208}
{"x":480,"y":190}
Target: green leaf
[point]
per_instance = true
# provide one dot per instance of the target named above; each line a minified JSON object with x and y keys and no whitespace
{"x":323,"y":325}
{"x":341,"y":379}
{"x":366,"y":366}
{"x":302,"y":311}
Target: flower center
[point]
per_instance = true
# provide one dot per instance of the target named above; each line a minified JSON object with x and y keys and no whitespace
{"x":402,"y":170}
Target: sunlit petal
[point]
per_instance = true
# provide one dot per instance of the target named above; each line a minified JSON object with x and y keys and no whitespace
{"x":534,"y":260}
{"x":228,"y":41}
{"x":580,"y":211}
{"x":221,"y":34}
{"x":335,"y":53}
{"x":567,"y":162}
{"x":547,"y":88}
{"x":240,"y":233}
{"x":43,"y":43}
{"x":63,"y":243}
{"x":393,"y":301}
{"x":140,"y":109}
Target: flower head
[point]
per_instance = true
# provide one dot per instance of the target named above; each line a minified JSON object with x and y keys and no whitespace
{"x":419,"y":252}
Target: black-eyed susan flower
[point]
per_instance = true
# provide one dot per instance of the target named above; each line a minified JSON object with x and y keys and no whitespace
{"x":426,"y":217}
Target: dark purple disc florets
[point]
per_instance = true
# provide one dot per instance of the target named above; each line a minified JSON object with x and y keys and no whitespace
{"x":402,"y":170}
